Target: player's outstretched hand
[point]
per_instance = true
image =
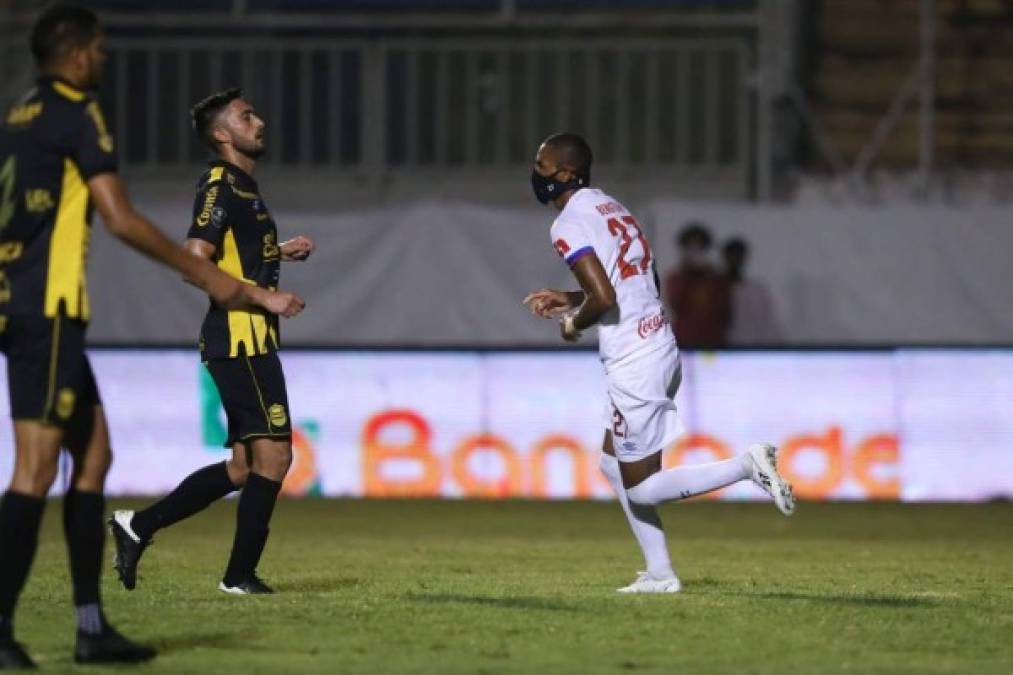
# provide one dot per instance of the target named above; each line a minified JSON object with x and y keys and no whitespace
{"x":286,"y":304}
{"x":548,"y":303}
{"x":297,"y":249}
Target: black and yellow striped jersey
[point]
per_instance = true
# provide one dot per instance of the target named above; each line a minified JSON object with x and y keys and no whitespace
{"x":52,"y":141}
{"x":229,"y":213}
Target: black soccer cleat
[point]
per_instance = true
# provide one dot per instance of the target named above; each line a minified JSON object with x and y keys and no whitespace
{"x":129,"y":548}
{"x":14,"y":657}
{"x":251,"y":585}
{"x":110,"y":646}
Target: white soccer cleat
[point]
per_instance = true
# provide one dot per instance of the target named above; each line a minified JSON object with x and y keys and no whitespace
{"x":231,"y":590}
{"x":251,"y":585}
{"x":763,"y":457}
{"x":645,"y":583}
{"x":123,"y":519}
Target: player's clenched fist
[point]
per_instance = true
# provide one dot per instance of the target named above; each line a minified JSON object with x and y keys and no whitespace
{"x":548,"y":303}
{"x":297,"y":249}
{"x":284,"y":303}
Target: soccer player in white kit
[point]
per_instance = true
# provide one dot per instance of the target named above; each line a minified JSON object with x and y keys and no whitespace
{"x":606,"y":250}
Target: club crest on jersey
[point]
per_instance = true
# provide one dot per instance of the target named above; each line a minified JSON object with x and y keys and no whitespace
{"x":277,"y":415}
{"x":65,"y":402}
{"x":218,"y":215}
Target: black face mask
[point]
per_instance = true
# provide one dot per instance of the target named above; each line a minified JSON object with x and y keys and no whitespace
{"x":547,"y":188}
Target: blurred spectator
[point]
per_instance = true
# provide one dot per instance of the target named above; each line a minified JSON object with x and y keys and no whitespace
{"x":698,"y":295}
{"x":753,"y":319}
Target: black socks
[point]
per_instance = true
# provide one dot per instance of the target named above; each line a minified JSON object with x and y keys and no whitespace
{"x":20,"y":516}
{"x":84,"y":530}
{"x":197,"y":491}
{"x":256,"y":505}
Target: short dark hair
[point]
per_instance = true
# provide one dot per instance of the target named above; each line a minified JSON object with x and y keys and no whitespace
{"x":60,"y":28}
{"x":205,"y":112}
{"x":574,"y":152}
{"x":697,"y":231}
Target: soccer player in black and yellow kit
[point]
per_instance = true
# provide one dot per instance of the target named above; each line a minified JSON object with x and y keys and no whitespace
{"x":57,"y":161}
{"x":232,"y":226}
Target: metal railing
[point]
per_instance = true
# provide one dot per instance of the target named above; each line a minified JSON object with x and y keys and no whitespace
{"x":448,"y":103}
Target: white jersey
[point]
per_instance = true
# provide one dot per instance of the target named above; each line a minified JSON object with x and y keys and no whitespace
{"x":593,"y":222}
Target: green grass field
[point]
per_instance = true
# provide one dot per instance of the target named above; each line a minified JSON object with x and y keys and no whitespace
{"x":522,"y":587}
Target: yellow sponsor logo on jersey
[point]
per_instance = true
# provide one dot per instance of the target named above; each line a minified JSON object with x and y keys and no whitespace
{"x":209,"y":203}
{"x":5,"y":288}
{"x":271,"y":250}
{"x":105,"y":139}
{"x":65,"y":402}
{"x":11,"y":251}
{"x":39,"y":201}
{"x":24,"y":113}
{"x":243,"y":193}
{"x":277,"y":415}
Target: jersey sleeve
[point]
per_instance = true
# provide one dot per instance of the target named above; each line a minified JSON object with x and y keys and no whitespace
{"x":210,"y":210}
{"x":571,"y":240}
{"x":92,"y":148}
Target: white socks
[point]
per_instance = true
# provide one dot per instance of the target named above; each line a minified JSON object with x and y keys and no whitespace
{"x":689,"y":481}
{"x":643,"y":520}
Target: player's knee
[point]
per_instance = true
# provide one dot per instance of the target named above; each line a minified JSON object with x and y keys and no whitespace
{"x":274,"y":461}
{"x":641,"y":495}
{"x":238,"y":472}
{"x":92,"y":467}
{"x":36,"y":479}
{"x":283,"y":459}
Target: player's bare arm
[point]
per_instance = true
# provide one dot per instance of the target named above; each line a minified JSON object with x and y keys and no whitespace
{"x":276,"y":302}
{"x":599,"y":297}
{"x":297,"y":249}
{"x":135,"y":230}
{"x":123,"y":221}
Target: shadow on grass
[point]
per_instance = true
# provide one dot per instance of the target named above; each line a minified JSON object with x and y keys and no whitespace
{"x":186,"y":641}
{"x":520,"y":602}
{"x":885,"y":600}
{"x":320,"y":585}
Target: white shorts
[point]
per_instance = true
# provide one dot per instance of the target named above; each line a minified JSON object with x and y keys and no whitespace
{"x":641,"y":412}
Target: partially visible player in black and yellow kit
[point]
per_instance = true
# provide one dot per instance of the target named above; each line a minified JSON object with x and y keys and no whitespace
{"x":232,"y":226}
{"x":57,"y":161}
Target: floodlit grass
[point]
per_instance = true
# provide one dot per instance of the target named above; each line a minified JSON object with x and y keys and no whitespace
{"x":523,"y":587}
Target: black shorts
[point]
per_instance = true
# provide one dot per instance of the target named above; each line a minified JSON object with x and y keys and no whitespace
{"x":254,"y":397}
{"x":48,"y":374}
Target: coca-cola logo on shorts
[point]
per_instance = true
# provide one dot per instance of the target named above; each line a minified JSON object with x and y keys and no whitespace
{"x":651,"y":324}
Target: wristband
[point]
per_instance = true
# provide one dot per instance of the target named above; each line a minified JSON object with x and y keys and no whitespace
{"x":568,"y":326}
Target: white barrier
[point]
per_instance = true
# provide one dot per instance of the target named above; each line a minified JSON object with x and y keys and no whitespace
{"x":910,"y":424}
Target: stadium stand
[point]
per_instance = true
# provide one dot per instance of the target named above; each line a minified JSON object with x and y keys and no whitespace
{"x":868,"y":49}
